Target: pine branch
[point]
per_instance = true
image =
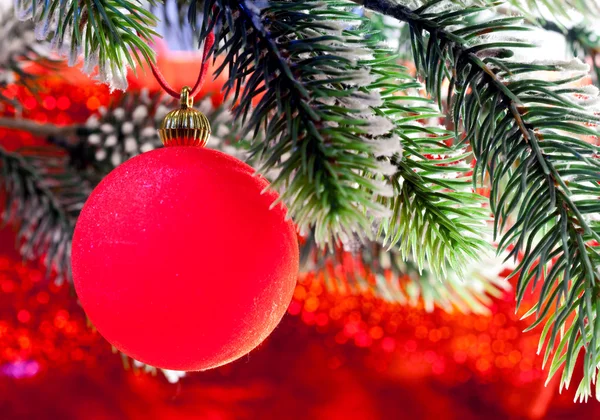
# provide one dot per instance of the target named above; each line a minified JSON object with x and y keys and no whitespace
{"x":42,"y":199}
{"x":436,"y":219}
{"x":526,"y":134}
{"x":323,"y":83}
{"x":111,"y":34}
{"x":430,"y":226}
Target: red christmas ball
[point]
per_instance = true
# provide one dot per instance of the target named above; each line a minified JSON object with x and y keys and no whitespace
{"x":179,"y":260}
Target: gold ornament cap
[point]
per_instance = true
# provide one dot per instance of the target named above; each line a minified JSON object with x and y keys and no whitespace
{"x":185,"y":126}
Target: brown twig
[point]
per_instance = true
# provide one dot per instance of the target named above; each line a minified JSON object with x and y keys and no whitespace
{"x":39,"y":129}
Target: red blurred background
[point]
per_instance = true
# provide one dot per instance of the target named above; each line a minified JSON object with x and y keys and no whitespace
{"x":333,"y":356}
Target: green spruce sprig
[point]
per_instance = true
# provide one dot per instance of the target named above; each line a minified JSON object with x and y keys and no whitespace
{"x":42,"y":198}
{"x":528,"y":135}
{"x":584,"y":43}
{"x":297,"y":63}
{"x":111,"y":34}
{"x":318,"y":79}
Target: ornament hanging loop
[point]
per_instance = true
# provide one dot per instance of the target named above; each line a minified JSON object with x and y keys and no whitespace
{"x":185,"y":99}
{"x":185,"y":126}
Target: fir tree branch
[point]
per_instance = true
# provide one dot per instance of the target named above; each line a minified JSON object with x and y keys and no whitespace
{"x":437,"y":220}
{"x":430,"y":227}
{"x":111,"y":34}
{"x":42,"y":200}
{"x":322,"y":80}
{"x":526,"y":134}
{"x":300,"y":62}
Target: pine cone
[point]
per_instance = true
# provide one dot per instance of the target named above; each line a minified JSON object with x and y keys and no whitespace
{"x":127,"y":128}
